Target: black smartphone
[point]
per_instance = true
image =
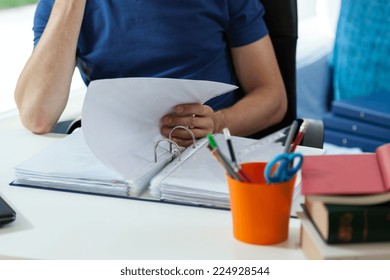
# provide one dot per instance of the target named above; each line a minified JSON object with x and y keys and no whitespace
{"x":7,"y":214}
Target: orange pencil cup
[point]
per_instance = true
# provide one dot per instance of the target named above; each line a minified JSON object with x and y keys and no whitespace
{"x":260,"y":211}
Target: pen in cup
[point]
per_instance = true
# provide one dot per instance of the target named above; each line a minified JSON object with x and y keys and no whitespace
{"x":290,"y":136}
{"x":230,"y":170}
{"x":301,"y":133}
{"x":228,"y":138}
{"x":223,"y":163}
{"x":236,"y":166}
{"x":221,"y":159}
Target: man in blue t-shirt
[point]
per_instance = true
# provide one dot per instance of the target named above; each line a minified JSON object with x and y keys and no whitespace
{"x":217,"y":40}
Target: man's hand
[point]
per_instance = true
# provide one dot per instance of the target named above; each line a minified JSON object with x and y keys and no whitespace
{"x":201,"y":119}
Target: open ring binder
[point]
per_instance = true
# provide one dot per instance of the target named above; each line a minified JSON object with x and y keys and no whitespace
{"x":169,"y":139}
{"x":188,"y":130}
{"x":170,"y":147}
{"x":119,"y":156}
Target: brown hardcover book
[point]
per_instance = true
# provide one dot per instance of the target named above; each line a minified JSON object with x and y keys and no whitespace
{"x":350,"y":223}
{"x":314,"y":247}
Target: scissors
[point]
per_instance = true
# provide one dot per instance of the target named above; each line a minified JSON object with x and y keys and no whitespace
{"x":283,"y":167}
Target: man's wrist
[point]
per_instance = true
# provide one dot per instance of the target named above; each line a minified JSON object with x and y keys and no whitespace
{"x":219,"y":121}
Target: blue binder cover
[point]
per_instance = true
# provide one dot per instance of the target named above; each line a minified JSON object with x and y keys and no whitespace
{"x":356,"y":127}
{"x":374,"y":108}
{"x":352,"y":141}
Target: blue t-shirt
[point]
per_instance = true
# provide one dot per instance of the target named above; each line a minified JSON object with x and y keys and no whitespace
{"x":188,"y":39}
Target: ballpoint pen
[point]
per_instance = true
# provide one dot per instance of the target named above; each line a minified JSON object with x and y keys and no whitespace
{"x":290,"y":136}
{"x":222,"y":159}
{"x":236,"y":166}
{"x":228,"y":138}
{"x":223,"y":163}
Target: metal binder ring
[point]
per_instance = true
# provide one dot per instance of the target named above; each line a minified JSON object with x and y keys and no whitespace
{"x":188,"y":130}
{"x":171,"y":142}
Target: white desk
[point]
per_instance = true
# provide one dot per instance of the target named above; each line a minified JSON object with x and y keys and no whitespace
{"x":61,"y":225}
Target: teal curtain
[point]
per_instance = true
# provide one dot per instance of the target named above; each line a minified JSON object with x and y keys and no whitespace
{"x":361,"y":58}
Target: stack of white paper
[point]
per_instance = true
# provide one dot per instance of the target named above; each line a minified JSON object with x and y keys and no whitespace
{"x":199,"y":179}
{"x":70,"y":165}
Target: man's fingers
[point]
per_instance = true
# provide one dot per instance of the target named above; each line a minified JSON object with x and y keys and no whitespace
{"x":194,"y":108}
{"x":189,"y":121}
{"x":184,"y":134}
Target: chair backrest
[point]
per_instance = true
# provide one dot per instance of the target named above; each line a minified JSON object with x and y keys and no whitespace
{"x":282,"y":21}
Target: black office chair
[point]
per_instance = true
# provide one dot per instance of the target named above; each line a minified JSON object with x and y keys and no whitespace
{"x":281,"y":18}
{"x":67,"y":126}
{"x":282,"y":22}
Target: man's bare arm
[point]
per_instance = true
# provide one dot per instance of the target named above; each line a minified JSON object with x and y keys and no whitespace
{"x":43,"y":87}
{"x":264,"y":103}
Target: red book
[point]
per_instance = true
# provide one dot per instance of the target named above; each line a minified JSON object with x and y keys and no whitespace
{"x":348,"y":177}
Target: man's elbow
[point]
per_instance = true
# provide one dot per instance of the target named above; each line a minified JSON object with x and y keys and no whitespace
{"x":282,"y":108}
{"x":33,"y":117}
{"x":36,"y":122}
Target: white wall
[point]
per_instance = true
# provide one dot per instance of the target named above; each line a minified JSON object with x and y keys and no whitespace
{"x":326,"y":11}
{"x":15,"y":48}
{"x":317,"y":24}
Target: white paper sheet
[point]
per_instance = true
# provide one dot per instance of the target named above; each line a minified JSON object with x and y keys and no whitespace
{"x":121,"y":117}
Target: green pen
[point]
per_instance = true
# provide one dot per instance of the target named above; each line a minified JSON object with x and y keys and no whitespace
{"x":229,"y":169}
{"x":212,"y":142}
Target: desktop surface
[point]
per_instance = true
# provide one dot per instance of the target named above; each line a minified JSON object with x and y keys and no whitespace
{"x":64,"y":225}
